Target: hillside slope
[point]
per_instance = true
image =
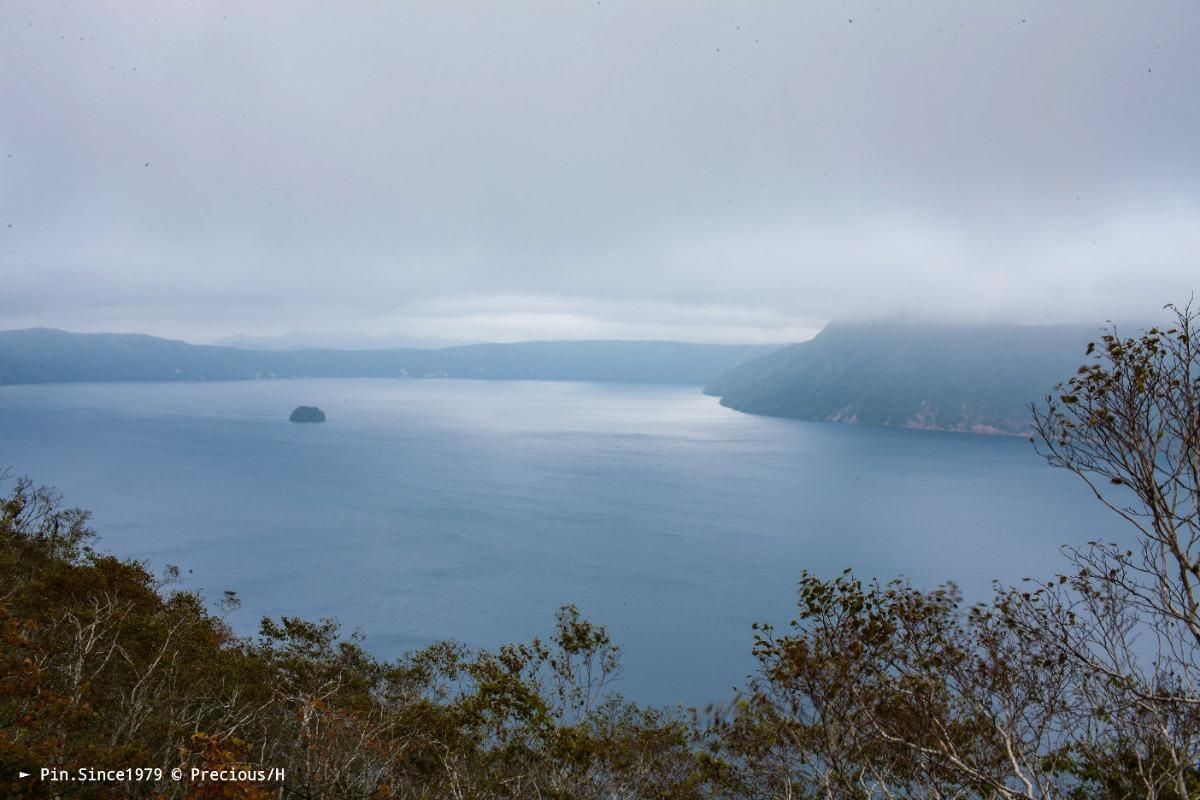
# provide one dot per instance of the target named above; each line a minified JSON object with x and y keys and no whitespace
{"x":977,"y":378}
{"x":40,"y":355}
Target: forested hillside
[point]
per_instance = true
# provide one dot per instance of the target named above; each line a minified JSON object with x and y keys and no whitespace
{"x":42,"y":355}
{"x":978,"y":378}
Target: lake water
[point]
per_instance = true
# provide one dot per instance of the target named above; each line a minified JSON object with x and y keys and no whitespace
{"x":434,"y":509}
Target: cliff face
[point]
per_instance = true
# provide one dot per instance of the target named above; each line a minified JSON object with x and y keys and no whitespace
{"x":970,"y":378}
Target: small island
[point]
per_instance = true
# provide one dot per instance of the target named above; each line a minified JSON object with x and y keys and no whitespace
{"x":307,"y":414}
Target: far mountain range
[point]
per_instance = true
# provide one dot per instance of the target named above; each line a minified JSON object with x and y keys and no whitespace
{"x":332,"y":340}
{"x":970,"y":378}
{"x":43,"y":355}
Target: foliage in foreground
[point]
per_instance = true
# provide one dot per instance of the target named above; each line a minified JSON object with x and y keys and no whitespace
{"x":1081,"y":686}
{"x":102,"y":665}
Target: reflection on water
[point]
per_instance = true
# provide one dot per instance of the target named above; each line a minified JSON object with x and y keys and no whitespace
{"x":472,"y":509}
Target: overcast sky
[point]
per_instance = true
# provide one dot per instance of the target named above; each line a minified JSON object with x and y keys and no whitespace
{"x":734,"y":171}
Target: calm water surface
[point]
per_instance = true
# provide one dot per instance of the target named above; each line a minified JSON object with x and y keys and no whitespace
{"x":438,"y":509}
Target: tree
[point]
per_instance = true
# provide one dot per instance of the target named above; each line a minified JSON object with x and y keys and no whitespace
{"x":887,"y":691}
{"x":102,"y":664}
{"x":1082,"y":685}
{"x":1128,"y":424}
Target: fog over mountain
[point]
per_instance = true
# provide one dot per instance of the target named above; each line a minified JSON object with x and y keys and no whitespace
{"x":966,"y":378}
{"x":597,"y":170}
{"x":42,"y":355}
{"x":332,"y":340}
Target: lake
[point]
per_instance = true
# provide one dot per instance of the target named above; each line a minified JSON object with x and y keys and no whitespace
{"x":432,"y":509}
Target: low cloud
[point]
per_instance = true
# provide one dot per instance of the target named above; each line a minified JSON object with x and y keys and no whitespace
{"x":615,"y":170}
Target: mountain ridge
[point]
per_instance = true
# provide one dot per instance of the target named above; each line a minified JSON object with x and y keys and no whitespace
{"x":326,"y":340}
{"x":48,"y":355}
{"x":973,"y":378}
